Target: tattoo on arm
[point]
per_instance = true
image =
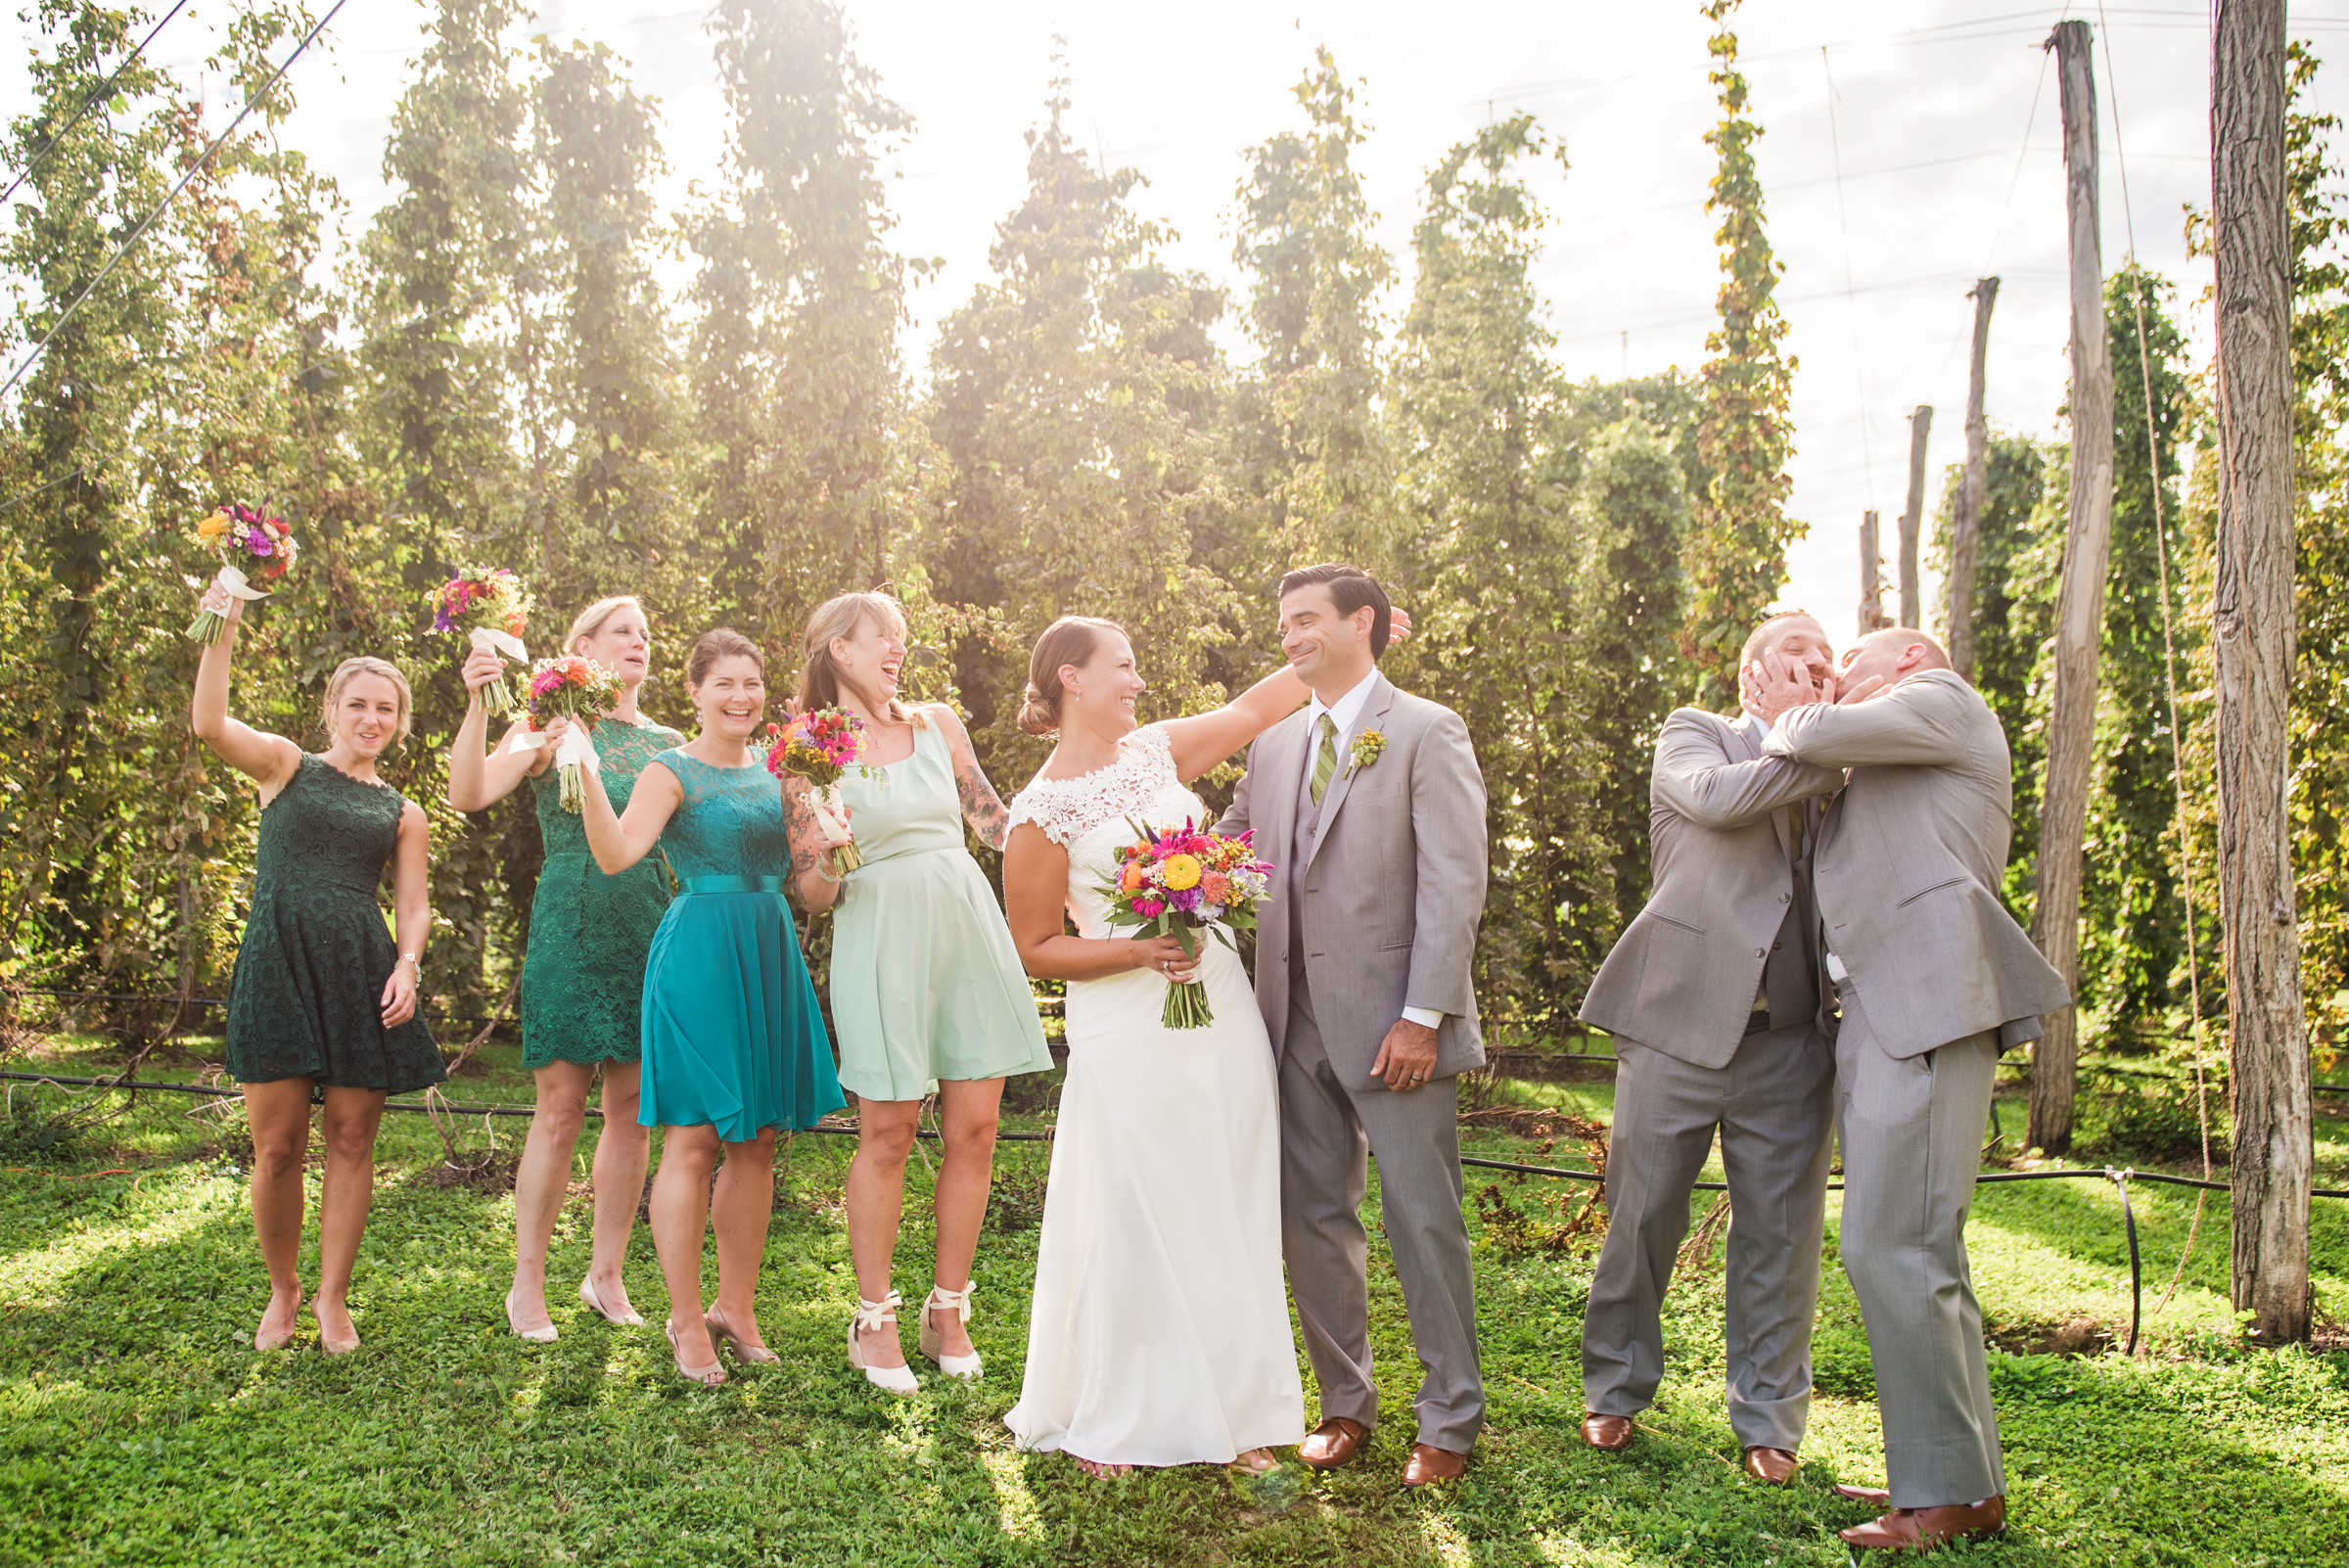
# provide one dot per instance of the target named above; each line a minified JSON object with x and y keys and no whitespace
{"x":799,"y":826}
{"x":982,"y":806}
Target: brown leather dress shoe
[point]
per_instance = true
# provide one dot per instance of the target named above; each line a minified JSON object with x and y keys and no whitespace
{"x":1924,"y":1529}
{"x":1429,"y":1464}
{"x":1774,"y":1465}
{"x":1612,"y":1433}
{"x":1332,"y":1444}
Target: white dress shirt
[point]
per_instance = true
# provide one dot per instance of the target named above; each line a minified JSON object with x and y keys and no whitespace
{"x":1345,"y":713}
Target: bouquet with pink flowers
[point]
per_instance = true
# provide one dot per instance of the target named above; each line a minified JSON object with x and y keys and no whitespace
{"x":1180,"y":881}
{"x":574,"y":688}
{"x":491,"y":607}
{"x":821,"y":747}
{"x":240,"y":533}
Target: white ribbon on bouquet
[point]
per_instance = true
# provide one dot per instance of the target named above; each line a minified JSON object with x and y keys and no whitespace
{"x":575,"y":758}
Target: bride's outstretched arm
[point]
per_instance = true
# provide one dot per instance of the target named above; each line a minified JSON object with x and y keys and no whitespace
{"x":1035,"y":889}
{"x":1200,"y":741}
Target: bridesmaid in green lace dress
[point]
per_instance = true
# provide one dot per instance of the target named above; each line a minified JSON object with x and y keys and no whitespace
{"x":323,"y":998}
{"x":734,"y":1042}
{"x":582,"y":976}
{"x":927,"y":988}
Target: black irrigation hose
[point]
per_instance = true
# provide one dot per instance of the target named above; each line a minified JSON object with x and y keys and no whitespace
{"x":2120,"y":1179}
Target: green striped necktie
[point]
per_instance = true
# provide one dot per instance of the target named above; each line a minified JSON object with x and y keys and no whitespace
{"x":1325,"y":760}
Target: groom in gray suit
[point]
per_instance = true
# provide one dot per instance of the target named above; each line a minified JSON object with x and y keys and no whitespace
{"x":1713,"y":997}
{"x":1369,"y":802}
{"x":1935,"y":980}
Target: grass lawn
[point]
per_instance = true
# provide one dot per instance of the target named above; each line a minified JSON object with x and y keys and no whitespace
{"x":138,"y":1426}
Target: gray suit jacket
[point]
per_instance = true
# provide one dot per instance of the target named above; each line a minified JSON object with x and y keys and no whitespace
{"x":1909,"y":857}
{"x":1682,"y":976}
{"x":1394,"y":885}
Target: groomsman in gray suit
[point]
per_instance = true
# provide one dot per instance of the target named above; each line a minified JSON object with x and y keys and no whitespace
{"x":1369,"y":803}
{"x":1713,"y":998}
{"x":1935,"y":980}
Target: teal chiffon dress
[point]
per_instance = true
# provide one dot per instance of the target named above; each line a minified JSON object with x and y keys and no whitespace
{"x":732,"y":1036}
{"x":582,"y":976}
{"x":926,"y":984}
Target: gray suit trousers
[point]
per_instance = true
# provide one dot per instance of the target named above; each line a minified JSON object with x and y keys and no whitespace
{"x":1911,"y":1134}
{"x":1327,"y":1131}
{"x":1773,"y":1104}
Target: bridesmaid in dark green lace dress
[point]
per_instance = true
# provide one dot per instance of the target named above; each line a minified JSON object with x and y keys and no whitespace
{"x":323,"y":999}
{"x":582,"y":976}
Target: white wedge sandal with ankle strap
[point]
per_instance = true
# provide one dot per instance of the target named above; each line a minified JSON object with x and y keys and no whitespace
{"x":943,"y":1300}
{"x":872,"y":1315}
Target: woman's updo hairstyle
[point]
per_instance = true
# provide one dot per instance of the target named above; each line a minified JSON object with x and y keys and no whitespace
{"x":348,"y":671}
{"x":1070,"y":640}
{"x":723,"y":643}
{"x":590,"y":620}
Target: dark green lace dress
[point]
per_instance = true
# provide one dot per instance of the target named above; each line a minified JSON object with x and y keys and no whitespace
{"x":582,"y":976}
{"x":306,"y":999}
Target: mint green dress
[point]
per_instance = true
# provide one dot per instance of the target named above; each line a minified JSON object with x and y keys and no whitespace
{"x":732,"y":1036}
{"x":582,"y":976}
{"x":926,"y":984}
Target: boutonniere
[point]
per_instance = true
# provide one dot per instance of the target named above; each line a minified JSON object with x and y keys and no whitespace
{"x":1366,"y":747}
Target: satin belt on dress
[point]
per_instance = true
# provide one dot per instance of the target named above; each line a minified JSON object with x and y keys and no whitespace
{"x":732,"y":884}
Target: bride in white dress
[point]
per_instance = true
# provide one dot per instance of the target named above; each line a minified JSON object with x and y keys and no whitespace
{"x":1160,"y":1331}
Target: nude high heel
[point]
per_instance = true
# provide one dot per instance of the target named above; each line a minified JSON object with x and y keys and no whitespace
{"x":710,"y":1376}
{"x":943,"y":1300}
{"x":872,"y":1315}
{"x":742,"y":1348}
{"x":537,"y":1336}
{"x":627,"y":1317}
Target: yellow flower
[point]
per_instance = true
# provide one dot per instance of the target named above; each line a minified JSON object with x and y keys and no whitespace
{"x":212,"y":528}
{"x":1183,"y":871}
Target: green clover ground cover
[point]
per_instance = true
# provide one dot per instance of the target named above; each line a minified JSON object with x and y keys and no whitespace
{"x":137,"y":1426}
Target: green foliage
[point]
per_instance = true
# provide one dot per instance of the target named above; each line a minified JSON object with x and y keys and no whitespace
{"x":1736,"y":551}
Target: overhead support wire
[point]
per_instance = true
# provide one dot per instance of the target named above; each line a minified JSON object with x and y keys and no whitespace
{"x":103,"y":89}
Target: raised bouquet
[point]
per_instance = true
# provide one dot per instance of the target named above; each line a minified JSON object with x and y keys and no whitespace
{"x":821,"y":747}
{"x":574,"y":688}
{"x":1181,"y":881}
{"x":491,"y":607}
{"x":251,"y":547}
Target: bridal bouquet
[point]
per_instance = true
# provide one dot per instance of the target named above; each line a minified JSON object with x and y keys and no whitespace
{"x":1181,"y":881}
{"x":576,"y":688}
{"x":240,"y":533}
{"x":821,"y":747}
{"x":490,"y":606}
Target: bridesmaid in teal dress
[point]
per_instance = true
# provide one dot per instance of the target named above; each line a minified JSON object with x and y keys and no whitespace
{"x":927,"y":988}
{"x":733,"y":1041}
{"x":323,"y":996}
{"x":582,"y":976}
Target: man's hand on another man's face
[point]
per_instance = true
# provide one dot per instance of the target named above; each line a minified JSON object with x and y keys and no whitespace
{"x":1773,"y":684}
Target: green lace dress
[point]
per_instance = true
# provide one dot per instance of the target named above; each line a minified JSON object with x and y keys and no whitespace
{"x":306,"y":999}
{"x":733,"y":1037}
{"x":583,"y":974}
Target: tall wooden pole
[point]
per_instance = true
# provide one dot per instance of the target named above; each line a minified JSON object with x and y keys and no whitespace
{"x":1871,"y":576}
{"x":1966,"y":519}
{"x":1913,"y":518}
{"x":2079,"y":602}
{"x":2251,"y":622}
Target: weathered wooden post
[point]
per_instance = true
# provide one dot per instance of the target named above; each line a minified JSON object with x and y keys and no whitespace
{"x":2079,"y":602}
{"x":1913,"y":517}
{"x":1871,"y":576}
{"x":2252,"y":630}
{"x":1973,"y":492}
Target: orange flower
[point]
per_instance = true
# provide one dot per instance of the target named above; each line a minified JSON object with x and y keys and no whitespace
{"x":1132,"y":880}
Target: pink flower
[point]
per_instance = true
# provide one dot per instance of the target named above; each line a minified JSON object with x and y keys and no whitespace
{"x":1215,"y":887}
{"x":1149,"y":908}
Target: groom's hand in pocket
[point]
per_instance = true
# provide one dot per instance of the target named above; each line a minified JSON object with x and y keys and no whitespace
{"x":1406,"y":1057}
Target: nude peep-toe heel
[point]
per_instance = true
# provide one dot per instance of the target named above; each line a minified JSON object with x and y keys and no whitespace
{"x":872,"y":1315}
{"x":708,"y":1376}
{"x":742,"y":1348}
{"x":943,"y":1300}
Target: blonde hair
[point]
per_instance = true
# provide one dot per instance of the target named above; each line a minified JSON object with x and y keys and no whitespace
{"x":590,"y":620}
{"x":1070,"y":640}
{"x":843,"y":617}
{"x":350,"y":669}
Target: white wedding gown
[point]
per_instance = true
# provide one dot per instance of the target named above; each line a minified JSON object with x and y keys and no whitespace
{"x":1160,"y":1330}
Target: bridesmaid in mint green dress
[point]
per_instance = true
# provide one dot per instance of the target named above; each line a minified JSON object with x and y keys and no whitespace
{"x":926,"y":990}
{"x":733,"y":1040}
{"x":582,"y":977}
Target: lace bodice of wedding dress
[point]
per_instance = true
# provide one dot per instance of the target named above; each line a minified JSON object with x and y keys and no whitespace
{"x":1092,"y":816}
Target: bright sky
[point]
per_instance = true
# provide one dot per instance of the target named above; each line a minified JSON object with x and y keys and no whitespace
{"x":1909,"y":147}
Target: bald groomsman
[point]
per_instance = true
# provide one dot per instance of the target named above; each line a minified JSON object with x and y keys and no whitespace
{"x":1713,"y":998}
{"x":1935,"y":979}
